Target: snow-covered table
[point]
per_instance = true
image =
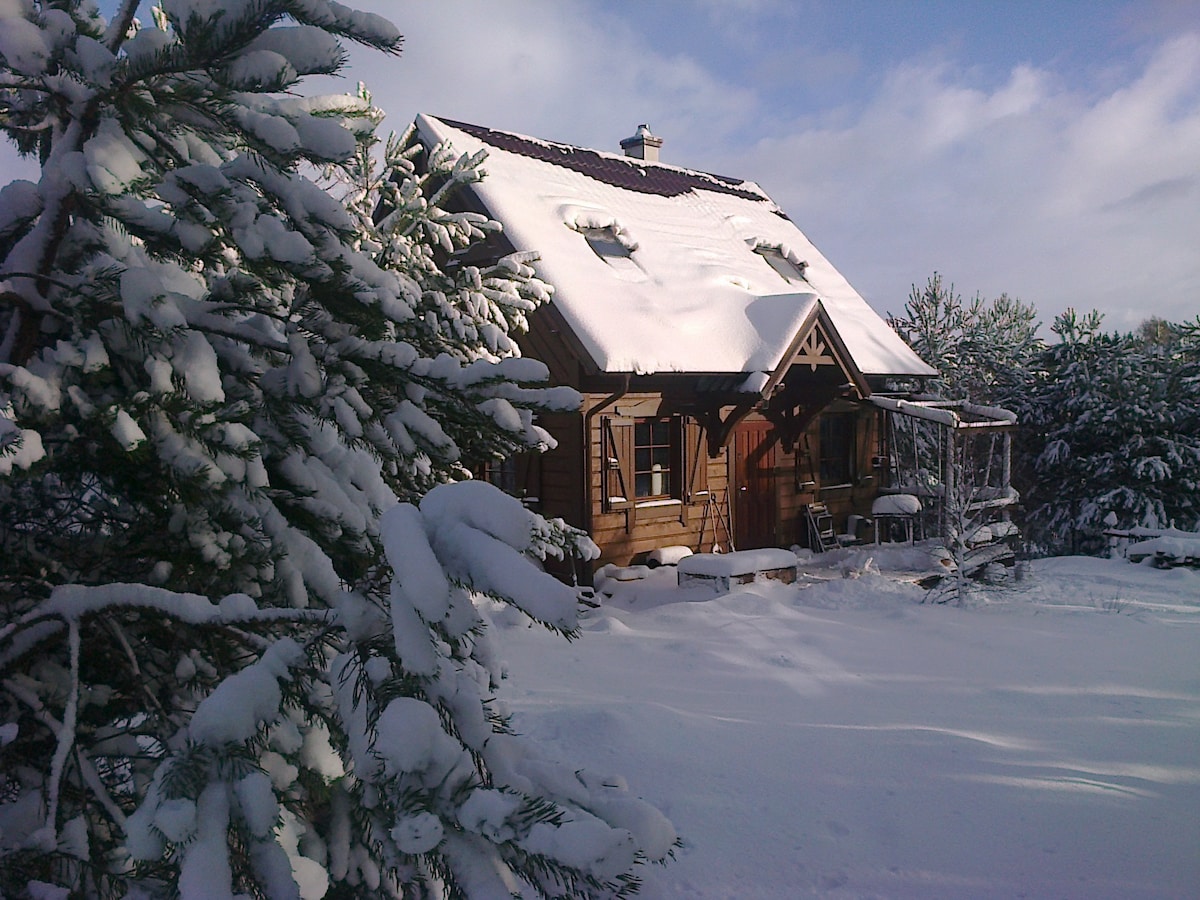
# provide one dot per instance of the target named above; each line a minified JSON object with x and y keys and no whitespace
{"x":723,"y":570}
{"x":895,"y":509}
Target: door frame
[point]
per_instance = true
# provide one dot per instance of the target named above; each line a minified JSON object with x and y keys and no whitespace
{"x":755,"y":506}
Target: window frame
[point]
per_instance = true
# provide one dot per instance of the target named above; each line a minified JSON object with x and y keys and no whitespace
{"x":837,"y":453}
{"x":687,"y":477}
{"x":657,"y":439}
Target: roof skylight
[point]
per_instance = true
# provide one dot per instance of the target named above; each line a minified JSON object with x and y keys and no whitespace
{"x":788,"y":266}
{"x":605,"y":243}
{"x":614,"y":247}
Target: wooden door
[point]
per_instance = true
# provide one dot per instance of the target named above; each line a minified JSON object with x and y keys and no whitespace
{"x":755,"y":507}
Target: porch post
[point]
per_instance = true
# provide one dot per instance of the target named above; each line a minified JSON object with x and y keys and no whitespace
{"x":949,"y":482}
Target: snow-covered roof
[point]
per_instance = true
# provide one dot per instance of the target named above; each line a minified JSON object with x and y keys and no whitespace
{"x":657,"y":268}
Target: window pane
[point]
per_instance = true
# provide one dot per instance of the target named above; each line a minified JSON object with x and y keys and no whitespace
{"x":605,"y":244}
{"x":837,"y":448}
{"x":642,"y":485}
{"x":787,"y":270}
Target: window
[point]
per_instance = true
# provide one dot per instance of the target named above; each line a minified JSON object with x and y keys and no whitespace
{"x":505,"y":474}
{"x":653,"y":458}
{"x":605,"y":244}
{"x":615,"y":249}
{"x":518,"y":476}
{"x":652,"y":463}
{"x":837,"y":448}
{"x":785,"y":264}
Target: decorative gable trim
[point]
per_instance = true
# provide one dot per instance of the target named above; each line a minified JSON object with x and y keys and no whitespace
{"x":817,"y":343}
{"x":814,"y":351}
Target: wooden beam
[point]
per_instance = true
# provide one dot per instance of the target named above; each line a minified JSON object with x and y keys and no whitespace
{"x":792,"y":421}
{"x":719,"y":430}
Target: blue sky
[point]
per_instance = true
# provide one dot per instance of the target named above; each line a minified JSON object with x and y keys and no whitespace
{"x":1050,"y":150}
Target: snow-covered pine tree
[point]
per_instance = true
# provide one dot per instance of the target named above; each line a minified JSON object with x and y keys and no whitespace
{"x":230,"y":661}
{"x":981,"y":349}
{"x":1111,"y":427}
{"x":468,"y":312}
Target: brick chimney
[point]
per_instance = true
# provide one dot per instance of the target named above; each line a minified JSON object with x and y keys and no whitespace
{"x":643,"y":144}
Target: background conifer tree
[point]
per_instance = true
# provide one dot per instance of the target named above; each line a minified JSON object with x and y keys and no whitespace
{"x":982,"y":349}
{"x":1110,"y":427}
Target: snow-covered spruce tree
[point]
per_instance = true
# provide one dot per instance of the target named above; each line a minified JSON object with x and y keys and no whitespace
{"x":1111,"y":427}
{"x":230,"y":661}
{"x":468,"y":312}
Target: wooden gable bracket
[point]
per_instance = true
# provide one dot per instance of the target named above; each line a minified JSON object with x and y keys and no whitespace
{"x":792,"y":421}
{"x":718,"y":429}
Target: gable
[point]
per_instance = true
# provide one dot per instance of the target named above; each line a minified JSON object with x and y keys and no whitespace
{"x":818,"y":347}
{"x":684,"y":284}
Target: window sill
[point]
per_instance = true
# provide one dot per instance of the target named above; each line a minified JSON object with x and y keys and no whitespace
{"x":668,"y":508}
{"x":826,"y":488}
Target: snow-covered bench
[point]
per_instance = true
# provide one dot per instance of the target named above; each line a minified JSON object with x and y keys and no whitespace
{"x":723,"y":570}
{"x":1165,"y":548}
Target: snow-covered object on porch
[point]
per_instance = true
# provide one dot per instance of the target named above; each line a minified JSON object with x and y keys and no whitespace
{"x":896,"y":505}
{"x":723,"y":570}
{"x":894,"y":512}
{"x":626,"y":573}
{"x":667,"y":556}
{"x":657,"y":268}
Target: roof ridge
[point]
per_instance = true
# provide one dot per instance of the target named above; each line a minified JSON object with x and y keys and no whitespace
{"x":630,"y":173}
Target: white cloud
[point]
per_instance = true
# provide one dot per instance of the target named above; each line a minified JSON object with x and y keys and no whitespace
{"x":546,"y":68}
{"x":1031,"y":188}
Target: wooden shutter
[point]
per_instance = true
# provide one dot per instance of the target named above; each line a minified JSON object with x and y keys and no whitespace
{"x":695,"y":461}
{"x":616,"y":464}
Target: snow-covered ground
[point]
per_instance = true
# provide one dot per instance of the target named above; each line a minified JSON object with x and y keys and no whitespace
{"x":837,"y":738}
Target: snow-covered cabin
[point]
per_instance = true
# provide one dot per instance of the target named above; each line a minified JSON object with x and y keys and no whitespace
{"x":722,"y":359}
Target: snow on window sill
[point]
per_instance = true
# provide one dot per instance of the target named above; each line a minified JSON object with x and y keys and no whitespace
{"x":651,"y":504}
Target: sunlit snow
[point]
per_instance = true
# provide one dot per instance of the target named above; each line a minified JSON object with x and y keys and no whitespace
{"x":837,"y":738}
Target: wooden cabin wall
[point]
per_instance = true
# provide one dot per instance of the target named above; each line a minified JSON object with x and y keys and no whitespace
{"x":841,"y":500}
{"x":626,"y":535}
{"x":797,"y":477}
{"x":560,"y":491}
{"x":625,"y":539}
{"x":570,"y":477}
